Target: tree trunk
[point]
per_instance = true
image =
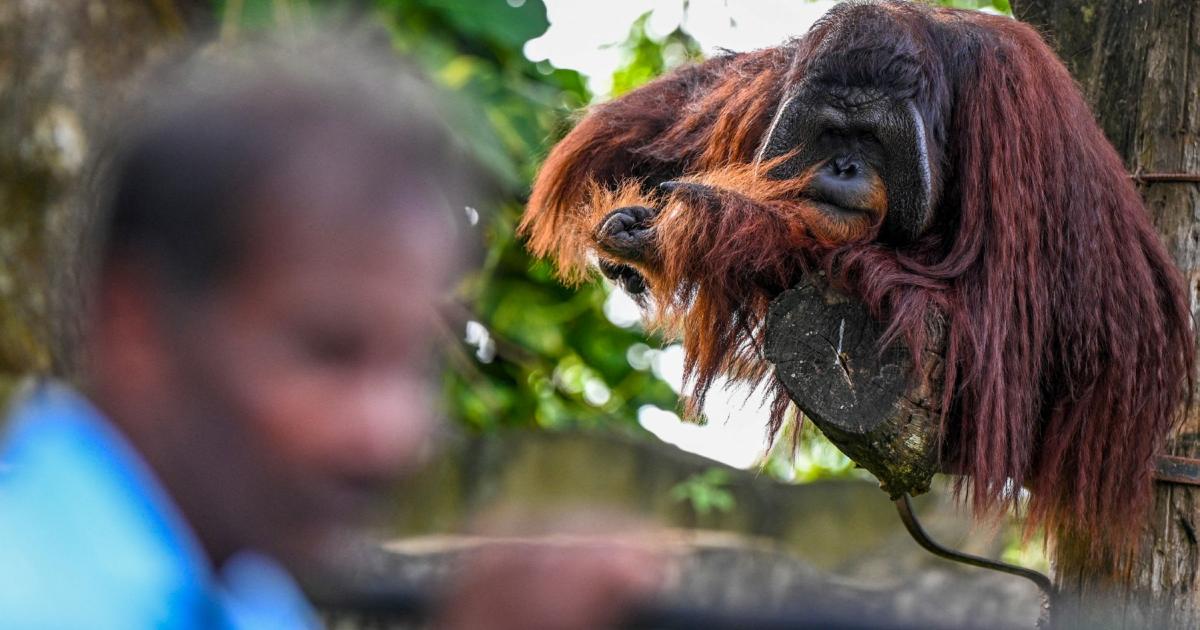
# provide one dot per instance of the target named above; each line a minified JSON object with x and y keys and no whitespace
{"x":64,"y":64}
{"x":1138,"y":63}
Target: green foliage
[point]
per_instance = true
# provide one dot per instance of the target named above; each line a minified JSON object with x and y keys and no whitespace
{"x":1000,"y":6}
{"x":705,"y":491}
{"x":647,"y":58}
{"x":810,"y":458}
{"x":1026,"y":551}
{"x":250,"y":14}
{"x":550,"y":357}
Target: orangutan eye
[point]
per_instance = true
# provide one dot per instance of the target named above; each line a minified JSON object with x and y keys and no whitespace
{"x":833,"y":137}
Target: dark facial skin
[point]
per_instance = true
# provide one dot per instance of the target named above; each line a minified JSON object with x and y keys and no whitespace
{"x":276,"y":407}
{"x":878,"y":105}
{"x":862,"y":142}
{"x":847,"y":180}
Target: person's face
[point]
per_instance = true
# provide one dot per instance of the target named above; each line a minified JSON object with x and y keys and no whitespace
{"x":308,"y":377}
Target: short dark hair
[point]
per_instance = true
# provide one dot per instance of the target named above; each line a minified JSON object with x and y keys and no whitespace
{"x":213,"y":130}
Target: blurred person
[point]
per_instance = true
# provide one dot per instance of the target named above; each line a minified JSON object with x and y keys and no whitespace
{"x":271,"y":244}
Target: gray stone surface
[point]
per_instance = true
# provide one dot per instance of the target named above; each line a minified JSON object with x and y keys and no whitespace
{"x":781,"y":547}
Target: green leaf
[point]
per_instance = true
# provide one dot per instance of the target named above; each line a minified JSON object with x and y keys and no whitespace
{"x":498,"y":22}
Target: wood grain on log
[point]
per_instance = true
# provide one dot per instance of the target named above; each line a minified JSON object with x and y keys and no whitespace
{"x":865,"y":398}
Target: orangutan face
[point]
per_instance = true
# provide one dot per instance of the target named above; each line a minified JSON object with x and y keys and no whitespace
{"x":858,"y":123}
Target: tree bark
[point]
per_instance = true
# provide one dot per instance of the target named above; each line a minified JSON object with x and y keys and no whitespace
{"x":1138,"y":63}
{"x":64,"y":65}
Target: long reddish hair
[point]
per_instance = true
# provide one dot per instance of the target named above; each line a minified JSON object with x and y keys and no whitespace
{"x":1069,"y":350}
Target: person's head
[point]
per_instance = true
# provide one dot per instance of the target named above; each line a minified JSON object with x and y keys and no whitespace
{"x":274,"y":240}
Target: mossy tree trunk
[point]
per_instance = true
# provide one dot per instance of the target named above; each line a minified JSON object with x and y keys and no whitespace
{"x":63,"y":66}
{"x":1138,"y":64}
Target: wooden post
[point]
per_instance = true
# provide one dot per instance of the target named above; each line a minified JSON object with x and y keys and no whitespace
{"x":1138,"y":64}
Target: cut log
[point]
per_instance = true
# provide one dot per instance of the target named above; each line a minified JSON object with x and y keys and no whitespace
{"x":865,"y":398}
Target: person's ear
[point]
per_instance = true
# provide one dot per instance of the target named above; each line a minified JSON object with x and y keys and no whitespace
{"x":127,"y":344}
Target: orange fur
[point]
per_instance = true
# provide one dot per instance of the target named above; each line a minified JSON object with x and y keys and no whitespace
{"x":697,"y":118}
{"x":726,"y":249}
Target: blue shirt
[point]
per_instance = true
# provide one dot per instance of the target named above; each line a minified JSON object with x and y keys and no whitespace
{"x":90,"y":539}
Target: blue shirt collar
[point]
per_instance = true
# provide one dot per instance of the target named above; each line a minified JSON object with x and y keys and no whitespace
{"x":66,"y":465}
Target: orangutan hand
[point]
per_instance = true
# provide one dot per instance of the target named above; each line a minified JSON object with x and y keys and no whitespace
{"x":627,"y":234}
{"x":625,"y":277}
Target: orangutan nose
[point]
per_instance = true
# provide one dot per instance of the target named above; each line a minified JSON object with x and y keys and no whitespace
{"x":843,"y":181}
{"x":844,"y":167}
